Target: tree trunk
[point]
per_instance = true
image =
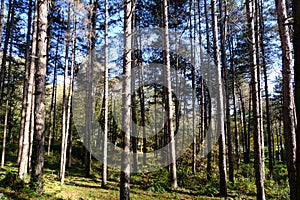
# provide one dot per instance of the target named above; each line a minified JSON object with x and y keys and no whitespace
{"x":258,"y":160}
{"x":36,"y":181}
{"x":11,"y":8}
{"x":1,"y":21}
{"x":220,"y":103}
{"x":25,"y":83}
{"x":29,"y":103}
{"x":142,"y":107}
{"x":31,"y":132}
{"x":288,"y":94}
{"x":244,"y":126}
{"x":209,"y":155}
{"x":104,"y":164}
{"x":64,"y":134}
{"x":2,"y":67}
{"x":296,"y":13}
{"x":53,"y":102}
{"x":192,"y":39}
{"x":69,"y":105}
{"x":9,"y":90}
{"x":126,"y":101}
{"x":169,"y":104}
{"x":264,"y":65}
{"x":236,"y":132}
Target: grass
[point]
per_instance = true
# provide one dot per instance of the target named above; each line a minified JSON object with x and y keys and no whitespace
{"x":144,"y":186}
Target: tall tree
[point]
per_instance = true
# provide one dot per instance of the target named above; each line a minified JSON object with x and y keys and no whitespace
{"x":104,"y":164}
{"x":223,"y":32}
{"x":26,"y":79}
{"x":126,"y":101}
{"x":258,"y":163}
{"x":288,"y":96}
{"x":264,"y":66}
{"x":89,"y":79}
{"x":24,"y":149}
{"x":40,"y":83}
{"x":220,"y":103}
{"x":68,"y":125}
{"x":169,"y":103}
{"x":296,"y":14}
{"x":64,"y":138}
{"x":208,"y":47}
{"x":8,"y":96}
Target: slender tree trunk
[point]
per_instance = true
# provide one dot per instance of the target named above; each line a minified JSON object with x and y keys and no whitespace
{"x":2,"y":70}
{"x":202,"y":128}
{"x":126,"y":101}
{"x":9,"y":90}
{"x":26,"y":79}
{"x":70,"y":139}
{"x":288,"y":95}
{"x":264,"y":65}
{"x":236,"y":132}
{"x":258,"y":160}
{"x":104,"y":164}
{"x":11,"y":8}
{"x":192,"y":39}
{"x":53,"y":102}
{"x":244,"y":125}
{"x":36,"y":181}
{"x":258,"y":64}
{"x":142,"y":106}
{"x":89,"y":102}
{"x":134,"y":138}
{"x":68,"y":121}
{"x":29,"y":103}
{"x":220,"y":103}
{"x":223,"y":30}
{"x":209,"y":155}
{"x":1,"y":21}
{"x":296,"y":13}
{"x":31,"y":132}
{"x":64,"y":134}
{"x":169,"y":95}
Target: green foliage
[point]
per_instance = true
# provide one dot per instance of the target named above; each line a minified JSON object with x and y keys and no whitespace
{"x":275,"y":190}
{"x":280,"y":173}
{"x":183,"y":175}
{"x":12,"y":181}
{"x":247,"y":170}
{"x":154,"y":181}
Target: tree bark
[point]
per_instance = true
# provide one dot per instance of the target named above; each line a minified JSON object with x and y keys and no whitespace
{"x":36,"y":181}
{"x":208,"y":46}
{"x":104,"y":164}
{"x":25,"y":83}
{"x":220,"y":103}
{"x":296,"y":13}
{"x":169,"y":104}
{"x":268,"y":118}
{"x":64,"y":134}
{"x":258,"y":160}
{"x":29,"y":103}
{"x":288,"y":95}
{"x":8,"y":95}
{"x":126,"y":101}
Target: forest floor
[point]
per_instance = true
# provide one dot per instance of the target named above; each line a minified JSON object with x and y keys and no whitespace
{"x":144,"y":186}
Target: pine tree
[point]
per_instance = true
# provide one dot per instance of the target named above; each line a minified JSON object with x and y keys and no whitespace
{"x":39,"y":111}
{"x":288,"y":96}
{"x":126,"y":101}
